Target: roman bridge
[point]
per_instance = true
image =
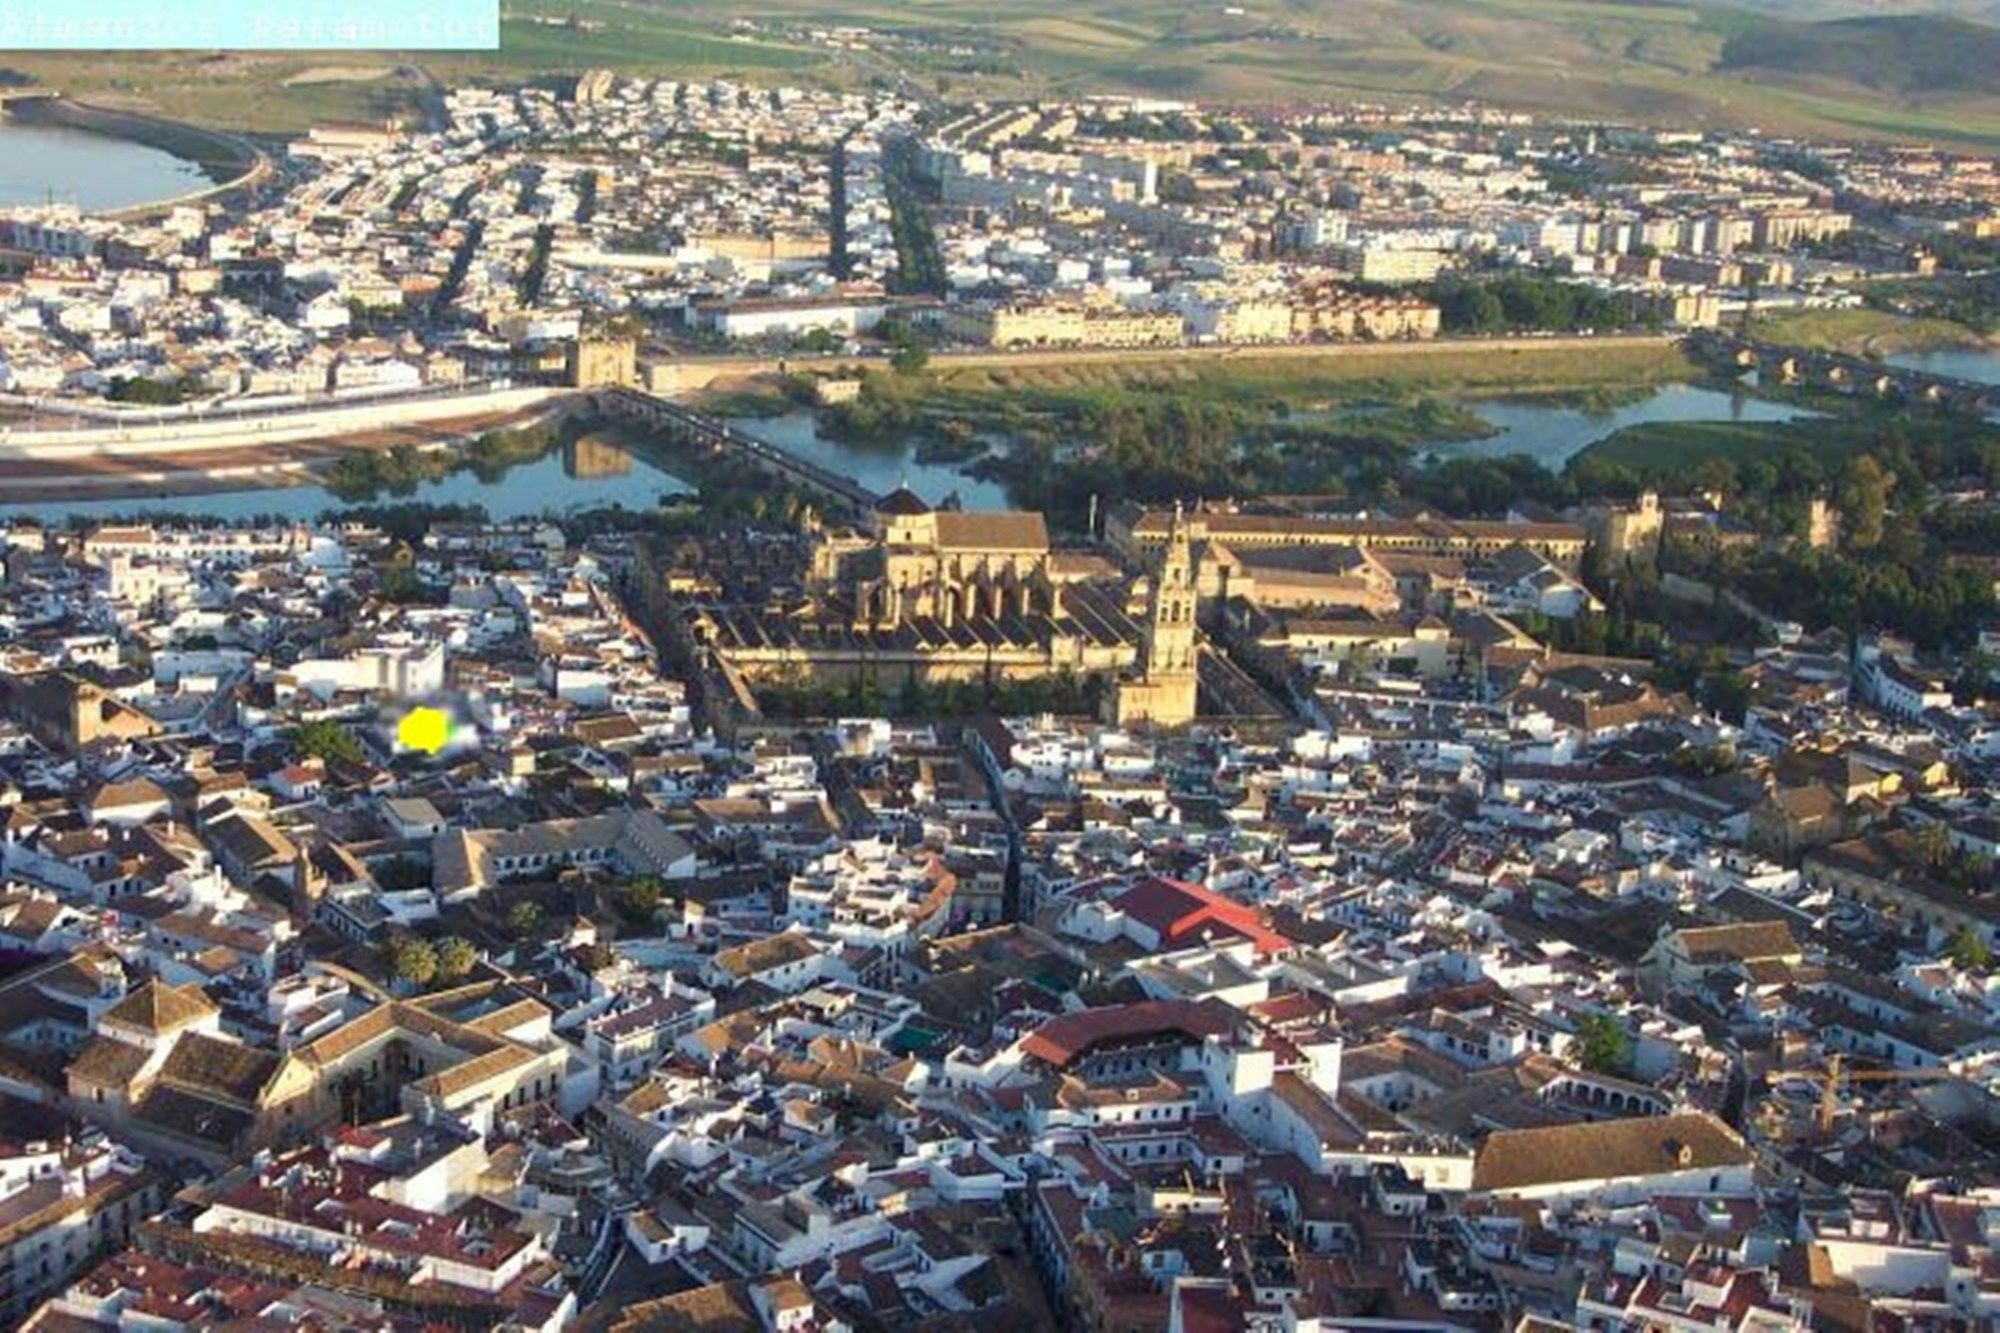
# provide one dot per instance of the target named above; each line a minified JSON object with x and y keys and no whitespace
{"x":1843,"y":373}
{"x":684,"y":425}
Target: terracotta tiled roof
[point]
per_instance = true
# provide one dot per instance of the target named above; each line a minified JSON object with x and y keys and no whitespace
{"x":1745,"y":942}
{"x":1608,"y":1150}
{"x":220,"y":1068}
{"x":1063,"y":1039}
{"x":107,"y":1062}
{"x":1000,"y":530}
{"x":159,"y":1008}
{"x":722,"y":1307}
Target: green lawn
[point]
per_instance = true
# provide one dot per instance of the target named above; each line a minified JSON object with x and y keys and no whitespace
{"x":1336,"y":376}
{"x":632,"y":37}
{"x":1862,"y":332}
{"x":1673,"y":449}
{"x":1679,"y":446}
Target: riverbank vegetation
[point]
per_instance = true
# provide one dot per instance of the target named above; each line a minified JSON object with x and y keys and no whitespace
{"x":1151,"y":427}
{"x":1864,"y":331}
{"x":1666,"y":454}
{"x":1154,"y":448}
{"x":751,"y":403}
{"x":1969,"y":301}
{"x":1336,"y":372}
{"x":402,"y":468}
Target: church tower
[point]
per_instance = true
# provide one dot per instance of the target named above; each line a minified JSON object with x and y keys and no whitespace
{"x":1170,"y":610}
{"x":1164,"y":691}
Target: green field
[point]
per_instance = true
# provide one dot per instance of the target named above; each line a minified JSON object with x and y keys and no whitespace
{"x":1679,"y":446}
{"x":285,"y":93}
{"x":631,"y":37}
{"x":1681,"y":64}
{"x":1674,"y":448}
{"x":250,"y":93}
{"x":1336,"y":376}
{"x":1865,"y":332}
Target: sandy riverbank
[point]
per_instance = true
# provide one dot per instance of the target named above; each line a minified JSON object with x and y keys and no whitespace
{"x":207,"y":472}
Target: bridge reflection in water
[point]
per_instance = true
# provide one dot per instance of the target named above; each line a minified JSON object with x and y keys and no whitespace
{"x":685,"y":425}
{"x":1843,"y":373}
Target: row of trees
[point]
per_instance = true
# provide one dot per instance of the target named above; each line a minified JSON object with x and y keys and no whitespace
{"x":415,"y":961}
{"x":1522,"y":301}
{"x":141,"y":391}
{"x":919,"y":261}
{"x":1063,"y":693}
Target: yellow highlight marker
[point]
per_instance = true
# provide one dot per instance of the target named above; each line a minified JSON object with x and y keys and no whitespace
{"x":424,"y":729}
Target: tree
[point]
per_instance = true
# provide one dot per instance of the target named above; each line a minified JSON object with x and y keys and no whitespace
{"x":149,"y":392}
{"x":523,"y":917}
{"x":1864,"y":500}
{"x":1933,"y":843}
{"x":909,"y":359}
{"x":1602,"y":1045}
{"x":411,"y":960}
{"x":1968,"y":952}
{"x":328,"y":741}
{"x":1975,"y":676}
{"x":455,"y":957}
{"x":640,"y":899}
{"x":1716,"y":473}
{"x":1989,"y":463}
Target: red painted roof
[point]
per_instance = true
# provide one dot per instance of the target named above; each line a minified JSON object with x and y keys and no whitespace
{"x":1184,"y":914}
{"x":1063,"y":1039}
{"x":1210,"y":1310}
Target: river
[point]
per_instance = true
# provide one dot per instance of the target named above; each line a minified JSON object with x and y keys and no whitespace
{"x":1546,"y":432}
{"x":881,"y":467}
{"x":591,"y":474}
{"x":1553,"y":435}
{"x":1966,"y":363}
{"x":44,"y":163}
{"x":600,"y":472}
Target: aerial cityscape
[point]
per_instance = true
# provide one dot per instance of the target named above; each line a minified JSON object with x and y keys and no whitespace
{"x":815,"y":667}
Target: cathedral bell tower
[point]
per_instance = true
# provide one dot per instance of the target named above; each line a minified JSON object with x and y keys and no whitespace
{"x":1163,"y":692}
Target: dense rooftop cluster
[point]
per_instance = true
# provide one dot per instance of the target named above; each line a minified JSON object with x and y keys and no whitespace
{"x":1290,"y":913}
{"x":1509,"y":989}
{"x":472,"y":250}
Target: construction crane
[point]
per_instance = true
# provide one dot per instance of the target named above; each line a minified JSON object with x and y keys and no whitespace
{"x":1830,"y":1083}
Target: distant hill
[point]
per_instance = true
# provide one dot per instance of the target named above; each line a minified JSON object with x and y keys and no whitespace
{"x":1832,"y":68}
{"x":1902,"y":53}
{"x":1985,"y":10}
